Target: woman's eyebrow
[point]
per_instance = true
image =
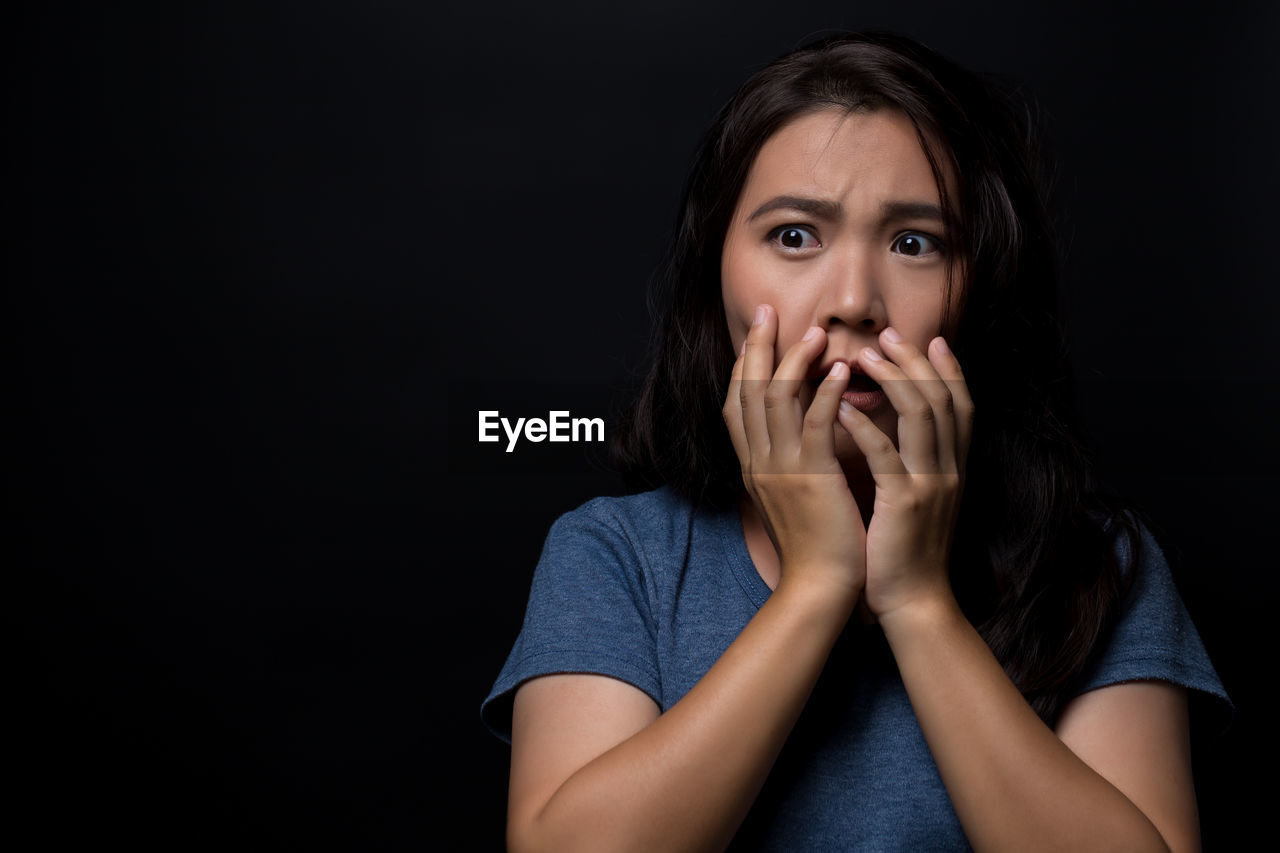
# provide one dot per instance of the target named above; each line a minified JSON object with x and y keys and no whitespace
{"x":889,"y":211}
{"x":813,"y":206}
{"x":892,"y":210}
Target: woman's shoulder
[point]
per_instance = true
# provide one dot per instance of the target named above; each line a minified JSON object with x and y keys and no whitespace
{"x":1151,"y":611}
{"x":1153,"y":636}
{"x":642,"y":518}
{"x":648,"y":508}
{"x":1136,"y":550}
{"x":641,"y":530}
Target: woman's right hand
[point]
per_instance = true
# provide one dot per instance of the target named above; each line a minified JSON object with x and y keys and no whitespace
{"x":595,"y":764}
{"x":788,"y":459}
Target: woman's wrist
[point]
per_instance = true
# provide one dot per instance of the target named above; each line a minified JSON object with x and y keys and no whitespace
{"x":924,"y":614}
{"x":823,"y":592}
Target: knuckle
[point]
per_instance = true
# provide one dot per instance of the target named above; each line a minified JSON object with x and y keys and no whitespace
{"x":943,"y":401}
{"x":813,"y":422}
{"x":921,"y":409}
{"x":882,"y":445}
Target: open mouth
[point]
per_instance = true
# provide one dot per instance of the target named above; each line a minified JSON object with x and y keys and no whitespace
{"x":858,"y":383}
{"x":863,"y":393}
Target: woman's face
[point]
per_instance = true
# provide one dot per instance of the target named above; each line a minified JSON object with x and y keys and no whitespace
{"x":839,"y":225}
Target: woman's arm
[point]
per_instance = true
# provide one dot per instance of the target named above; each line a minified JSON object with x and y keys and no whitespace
{"x":594,"y":767}
{"x":1118,"y":777}
{"x":1137,"y":735}
{"x":593,"y":764}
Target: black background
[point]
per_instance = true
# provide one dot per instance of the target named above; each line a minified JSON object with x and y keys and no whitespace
{"x":268,"y":256}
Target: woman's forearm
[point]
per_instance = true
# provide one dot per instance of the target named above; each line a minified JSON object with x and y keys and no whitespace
{"x":1014,"y":784}
{"x":687,"y":780}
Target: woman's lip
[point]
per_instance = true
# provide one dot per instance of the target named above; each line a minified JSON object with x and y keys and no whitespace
{"x":861,"y":397}
{"x":865,"y":401}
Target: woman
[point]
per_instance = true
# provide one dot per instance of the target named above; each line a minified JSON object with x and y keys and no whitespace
{"x":803,"y":638}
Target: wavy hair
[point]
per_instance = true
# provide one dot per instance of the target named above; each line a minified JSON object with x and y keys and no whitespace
{"x":1033,"y":562}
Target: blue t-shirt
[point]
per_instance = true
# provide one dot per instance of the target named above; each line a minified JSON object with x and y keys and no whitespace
{"x":650,"y":590}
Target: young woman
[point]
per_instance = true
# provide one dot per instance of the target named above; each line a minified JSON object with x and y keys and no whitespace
{"x":874,"y":598}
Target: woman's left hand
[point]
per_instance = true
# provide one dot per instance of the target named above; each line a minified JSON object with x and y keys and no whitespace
{"x":918,"y":483}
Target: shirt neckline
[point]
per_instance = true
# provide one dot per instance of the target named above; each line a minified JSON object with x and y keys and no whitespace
{"x":739,"y":558}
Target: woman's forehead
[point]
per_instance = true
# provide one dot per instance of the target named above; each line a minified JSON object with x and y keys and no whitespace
{"x":853,"y":157}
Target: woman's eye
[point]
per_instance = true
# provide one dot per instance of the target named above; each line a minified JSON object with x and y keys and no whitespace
{"x":794,"y":238}
{"x":915,"y":244}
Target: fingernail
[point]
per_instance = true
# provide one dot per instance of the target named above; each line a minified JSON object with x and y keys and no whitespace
{"x":742,"y":349}
{"x":871,"y":354}
{"x":811,"y":334}
{"x":760,"y":315}
{"x":943,"y":349}
{"x":892,"y":334}
{"x":846,"y":407}
{"x":838,"y":369}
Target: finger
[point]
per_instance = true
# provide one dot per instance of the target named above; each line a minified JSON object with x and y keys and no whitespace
{"x":757,"y":370}
{"x":784,"y":412}
{"x":917,"y":433}
{"x":949,"y":369}
{"x":732,"y":412}
{"x":818,"y":443}
{"x":926,"y":381}
{"x":883,"y":460}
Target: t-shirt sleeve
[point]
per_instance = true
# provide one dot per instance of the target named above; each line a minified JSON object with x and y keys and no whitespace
{"x":1154,"y":638}
{"x":589,"y":611}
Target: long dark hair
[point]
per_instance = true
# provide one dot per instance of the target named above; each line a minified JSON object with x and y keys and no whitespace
{"x":1033,"y":560}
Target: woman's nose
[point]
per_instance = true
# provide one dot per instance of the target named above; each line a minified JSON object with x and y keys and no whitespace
{"x":853,"y":295}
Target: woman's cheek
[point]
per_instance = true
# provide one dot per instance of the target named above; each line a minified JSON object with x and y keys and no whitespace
{"x":739,"y":312}
{"x":738,"y":329}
